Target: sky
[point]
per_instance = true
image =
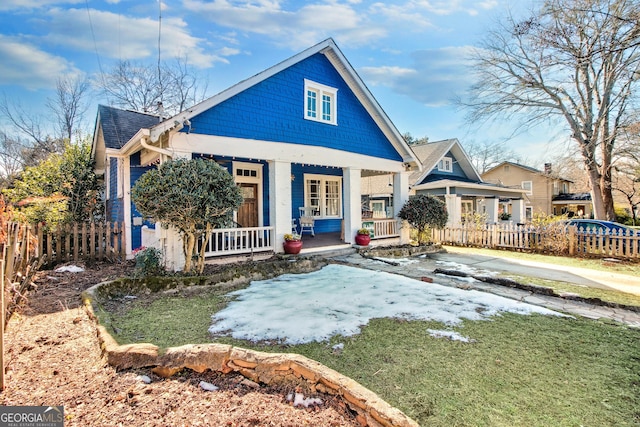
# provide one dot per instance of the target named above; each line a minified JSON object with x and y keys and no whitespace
{"x":339,"y":300}
{"x":411,"y":54}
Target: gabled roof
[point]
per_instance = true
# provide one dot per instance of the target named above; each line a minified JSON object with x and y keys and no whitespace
{"x":430,"y":154}
{"x":328,"y":48}
{"x":119,"y":126}
{"x":529,"y":169}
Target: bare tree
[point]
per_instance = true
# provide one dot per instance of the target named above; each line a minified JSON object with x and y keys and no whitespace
{"x":144,"y":88}
{"x":68,"y":106}
{"x":574,"y":61}
{"x":485,"y":155}
{"x":36,"y":143}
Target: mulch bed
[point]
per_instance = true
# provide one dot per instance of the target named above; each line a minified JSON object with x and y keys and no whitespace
{"x":53,"y":357}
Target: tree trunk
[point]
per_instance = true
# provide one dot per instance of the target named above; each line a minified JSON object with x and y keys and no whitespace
{"x":189,"y":244}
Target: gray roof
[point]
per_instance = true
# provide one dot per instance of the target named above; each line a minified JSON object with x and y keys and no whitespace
{"x":118,"y":126}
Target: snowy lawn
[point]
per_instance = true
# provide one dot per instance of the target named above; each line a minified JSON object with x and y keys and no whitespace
{"x":339,"y":300}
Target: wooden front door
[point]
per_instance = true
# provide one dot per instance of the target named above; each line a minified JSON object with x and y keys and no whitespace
{"x":248,"y":211}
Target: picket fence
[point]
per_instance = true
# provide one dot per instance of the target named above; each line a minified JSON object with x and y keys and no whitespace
{"x":550,"y":239}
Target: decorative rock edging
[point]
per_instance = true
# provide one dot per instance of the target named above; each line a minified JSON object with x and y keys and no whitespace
{"x":261,"y":367}
{"x":399,"y":251}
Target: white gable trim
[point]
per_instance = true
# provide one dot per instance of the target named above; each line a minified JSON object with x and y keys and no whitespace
{"x":461,"y":157}
{"x":335,"y":56}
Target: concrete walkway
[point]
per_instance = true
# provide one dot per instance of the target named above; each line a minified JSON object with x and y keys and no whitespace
{"x":423,"y":267}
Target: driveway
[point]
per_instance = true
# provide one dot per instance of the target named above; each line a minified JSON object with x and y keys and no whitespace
{"x":422,"y":267}
{"x":574,"y":275}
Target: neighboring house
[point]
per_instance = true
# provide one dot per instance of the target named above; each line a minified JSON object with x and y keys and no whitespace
{"x":299,"y":134}
{"x":448,"y":173}
{"x":547,"y":192}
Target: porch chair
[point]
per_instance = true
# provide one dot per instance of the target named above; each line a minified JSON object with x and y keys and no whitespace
{"x":306,"y":221}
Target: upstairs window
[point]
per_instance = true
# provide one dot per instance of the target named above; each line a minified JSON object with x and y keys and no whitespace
{"x":445,"y":164}
{"x":320,"y":102}
{"x":528,"y":185}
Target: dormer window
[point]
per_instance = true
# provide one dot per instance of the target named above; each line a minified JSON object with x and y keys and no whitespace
{"x":445,"y":164}
{"x":320,"y":102}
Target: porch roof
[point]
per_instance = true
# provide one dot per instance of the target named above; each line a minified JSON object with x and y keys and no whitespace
{"x":451,"y":186}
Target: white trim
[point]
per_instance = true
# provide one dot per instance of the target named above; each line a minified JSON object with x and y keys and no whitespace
{"x":323,"y":196}
{"x":279,"y":151}
{"x":527,"y":191}
{"x":258,"y":167}
{"x":120,"y":178}
{"x":127,"y":205}
{"x":320,"y":90}
{"x":107,"y":179}
{"x":342,"y":66}
{"x":453,"y":183}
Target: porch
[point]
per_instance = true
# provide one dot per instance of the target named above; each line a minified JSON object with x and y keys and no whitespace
{"x":250,"y":240}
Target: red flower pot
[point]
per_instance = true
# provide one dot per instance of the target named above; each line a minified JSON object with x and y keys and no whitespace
{"x":292,"y":247}
{"x":363,"y":239}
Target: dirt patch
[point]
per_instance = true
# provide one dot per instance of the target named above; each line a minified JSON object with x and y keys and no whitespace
{"x":53,"y":357}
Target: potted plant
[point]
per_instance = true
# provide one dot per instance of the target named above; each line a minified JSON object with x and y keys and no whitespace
{"x":292,"y":244}
{"x":362,"y":237}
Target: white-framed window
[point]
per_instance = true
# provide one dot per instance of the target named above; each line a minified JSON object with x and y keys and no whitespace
{"x":320,"y":102}
{"x":378,"y":207}
{"x":445,"y":164}
{"x":565,"y":187}
{"x":528,"y":213}
{"x":323,"y":193}
{"x":527,"y":185}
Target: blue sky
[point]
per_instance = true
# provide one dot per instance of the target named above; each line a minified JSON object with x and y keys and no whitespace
{"x":410,"y":53}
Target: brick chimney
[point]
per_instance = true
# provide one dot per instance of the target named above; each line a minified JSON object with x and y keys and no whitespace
{"x":547,"y":168}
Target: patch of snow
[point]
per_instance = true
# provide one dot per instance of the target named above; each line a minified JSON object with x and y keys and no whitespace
{"x":464,"y":268}
{"x":69,"y":269}
{"x":398,"y":261}
{"x":339,"y":300}
{"x":452,"y":335}
{"x":299,"y":400}
{"x":338,"y":347}
{"x":144,"y":378}
{"x":207,"y":386}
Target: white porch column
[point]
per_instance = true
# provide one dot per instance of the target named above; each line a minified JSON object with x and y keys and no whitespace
{"x":280,"y":201}
{"x":126,"y":201}
{"x":454,"y":209}
{"x":400,"y":197}
{"x":492,"y":206}
{"x":352,"y":203}
{"x":517,"y":211}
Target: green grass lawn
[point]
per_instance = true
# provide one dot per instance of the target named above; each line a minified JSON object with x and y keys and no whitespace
{"x":520,"y":371}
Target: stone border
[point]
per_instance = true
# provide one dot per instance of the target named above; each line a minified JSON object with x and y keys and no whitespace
{"x":261,"y":367}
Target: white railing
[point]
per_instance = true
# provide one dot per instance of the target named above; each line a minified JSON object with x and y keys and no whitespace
{"x":384,"y":228}
{"x":234,"y":241}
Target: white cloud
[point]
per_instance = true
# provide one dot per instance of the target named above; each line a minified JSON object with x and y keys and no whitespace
{"x":434,"y":79}
{"x":297,"y":28}
{"x":34,"y":4}
{"x":24,"y":64}
{"x":135,"y":38}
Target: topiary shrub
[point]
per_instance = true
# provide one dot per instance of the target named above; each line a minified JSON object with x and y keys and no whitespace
{"x":148,"y":262}
{"x":423,"y":213}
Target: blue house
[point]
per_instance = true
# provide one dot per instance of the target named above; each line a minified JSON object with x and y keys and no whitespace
{"x":300,"y":134}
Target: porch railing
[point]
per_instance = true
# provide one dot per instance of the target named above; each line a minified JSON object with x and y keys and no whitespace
{"x":235,"y":241}
{"x":384,"y":228}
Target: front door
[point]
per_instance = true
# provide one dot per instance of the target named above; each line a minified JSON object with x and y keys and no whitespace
{"x":248,"y":211}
